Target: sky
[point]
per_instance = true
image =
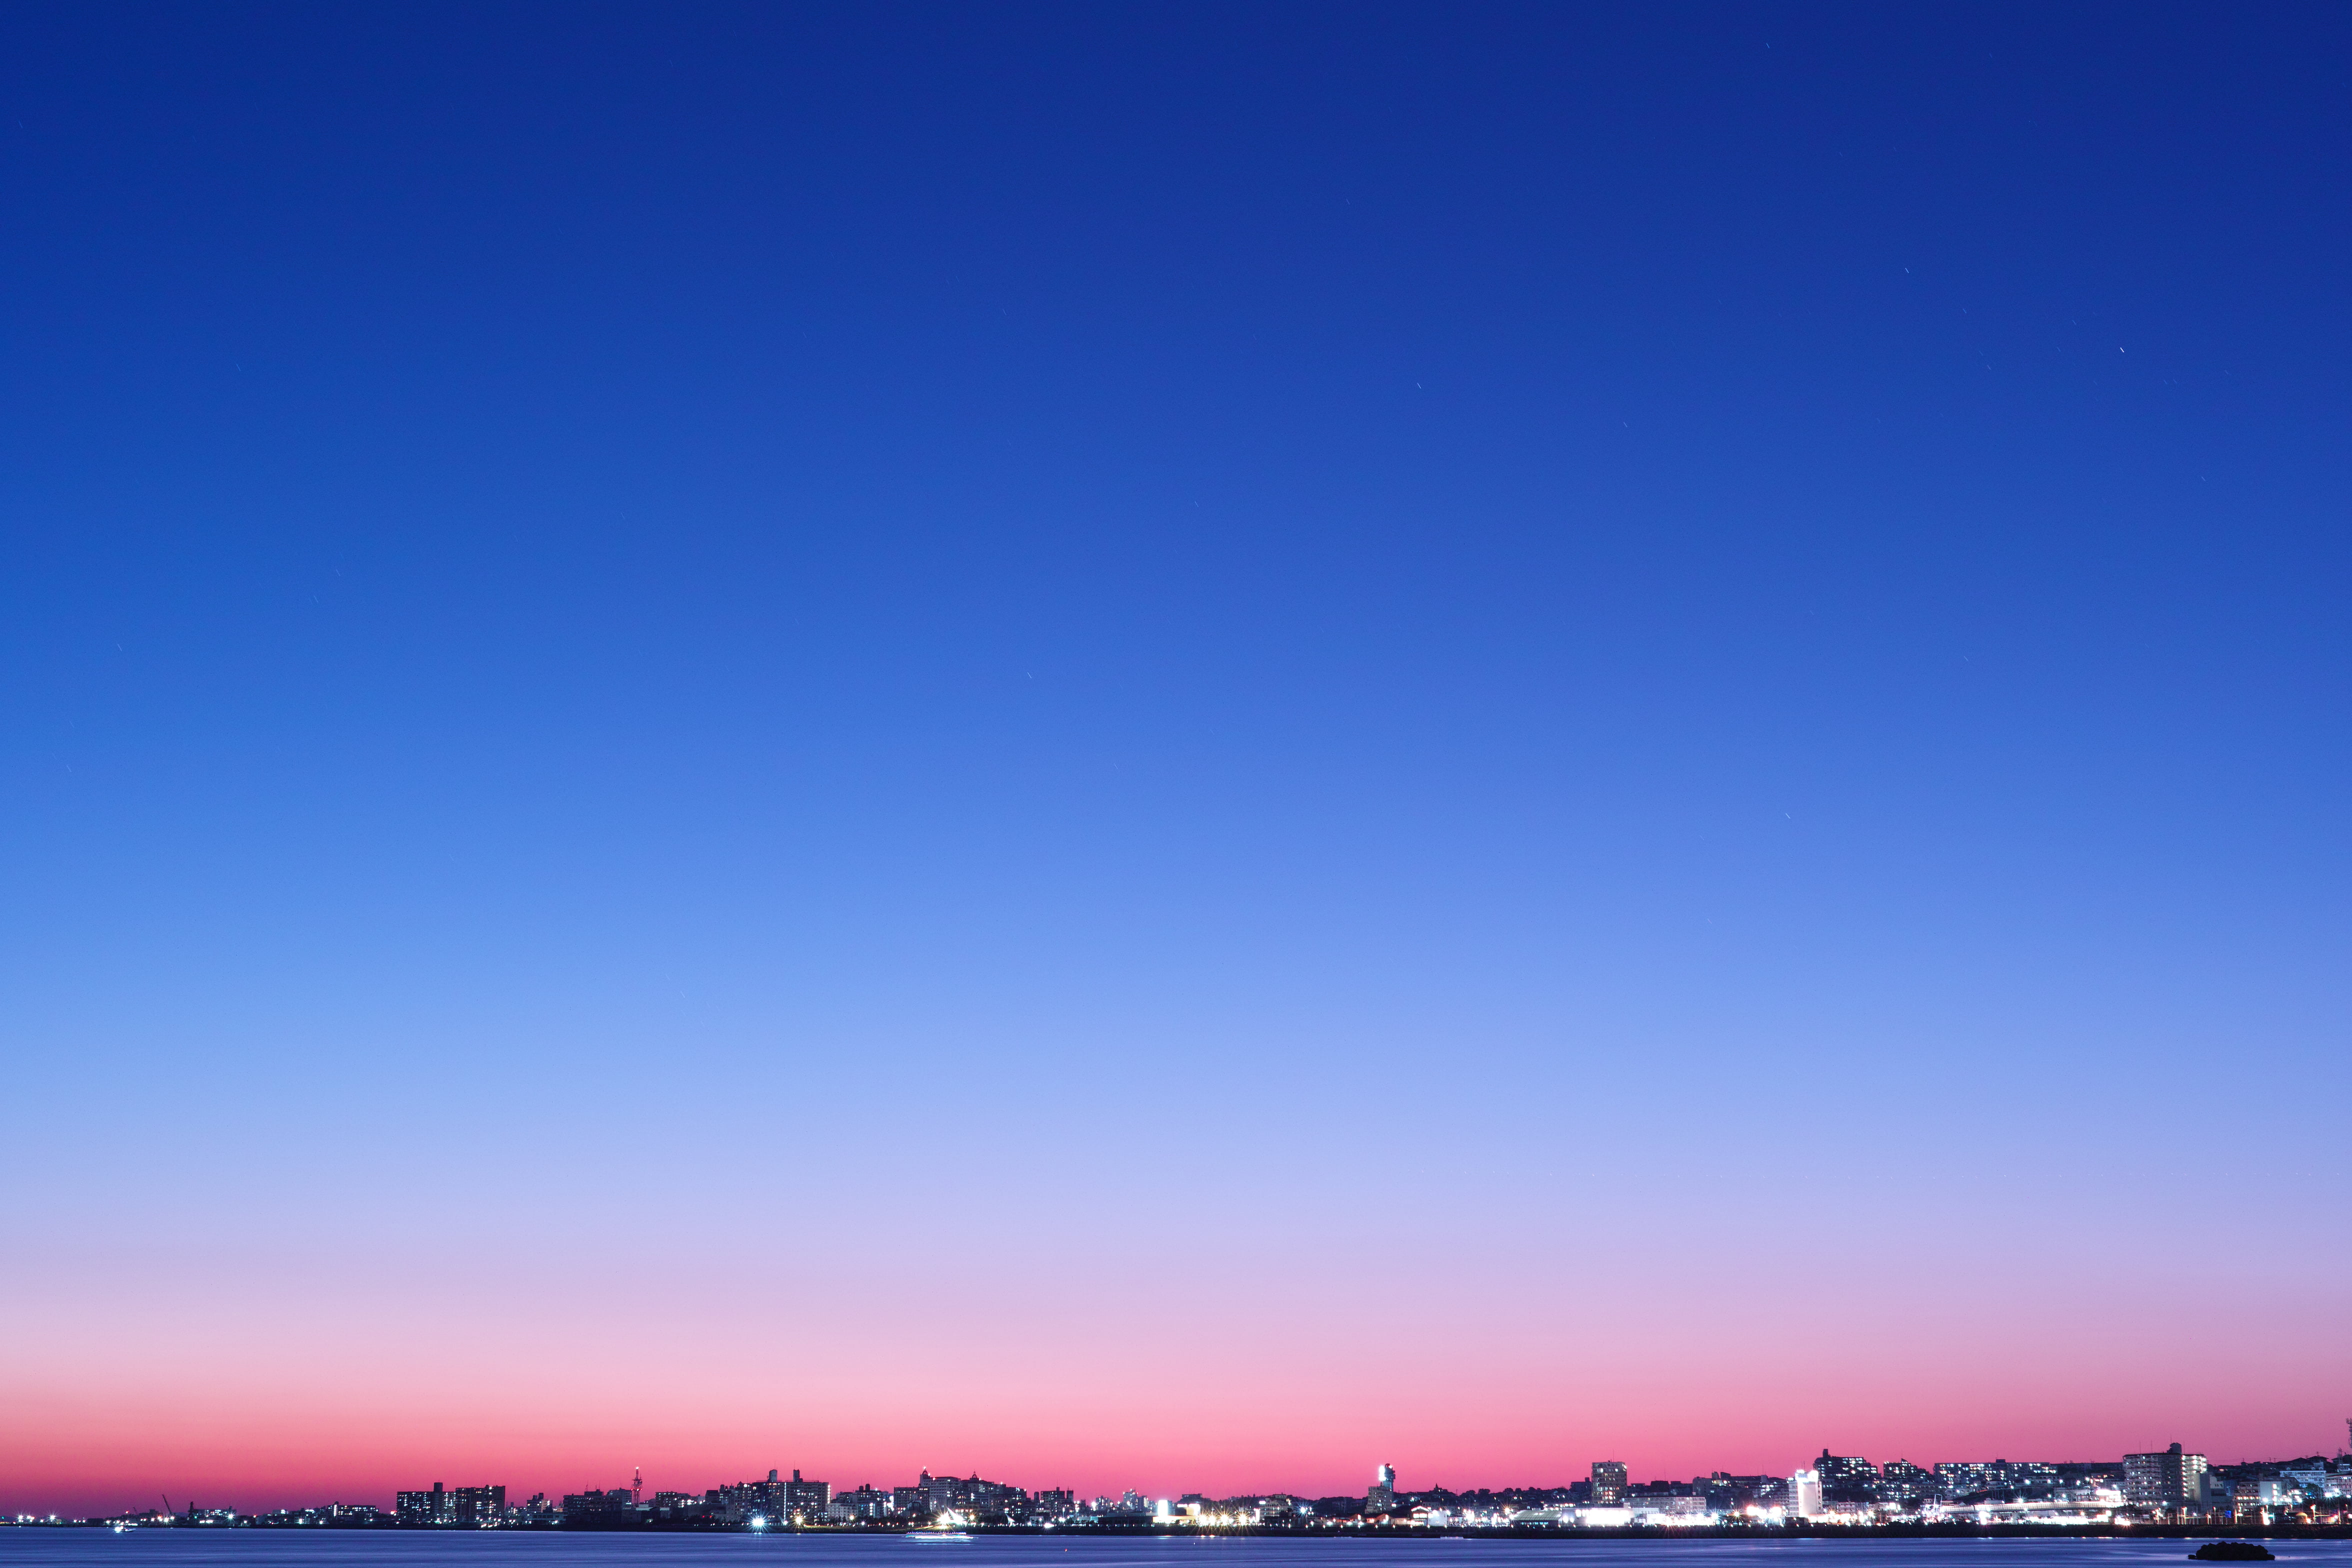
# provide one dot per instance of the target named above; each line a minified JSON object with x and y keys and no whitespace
{"x":1175,"y":746}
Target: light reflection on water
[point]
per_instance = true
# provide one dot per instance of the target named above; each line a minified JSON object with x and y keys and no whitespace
{"x":21,"y":1548}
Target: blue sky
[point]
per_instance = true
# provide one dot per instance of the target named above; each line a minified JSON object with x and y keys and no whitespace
{"x":1394,"y":623}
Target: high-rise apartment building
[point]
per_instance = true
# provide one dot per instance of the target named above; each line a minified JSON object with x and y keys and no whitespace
{"x":1380,"y":1497}
{"x":1846,"y":1479}
{"x":1608,"y":1480}
{"x":2170,"y":1479}
{"x":474,"y":1507}
{"x":1804,"y":1494}
{"x":806,"y":1500}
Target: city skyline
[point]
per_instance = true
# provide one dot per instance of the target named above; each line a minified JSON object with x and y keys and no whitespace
{"x":1158,"y":745}
{"x":2174,"y":1485}
{"x":1620,"y":1474}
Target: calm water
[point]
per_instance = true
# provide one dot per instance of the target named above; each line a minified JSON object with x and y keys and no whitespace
{"x":400,"y":1549}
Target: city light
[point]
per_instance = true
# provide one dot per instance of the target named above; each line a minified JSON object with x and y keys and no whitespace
{"x":1845,"y":1492}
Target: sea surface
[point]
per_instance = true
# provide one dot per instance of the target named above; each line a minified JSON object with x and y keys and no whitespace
{"x":41,"y":1548}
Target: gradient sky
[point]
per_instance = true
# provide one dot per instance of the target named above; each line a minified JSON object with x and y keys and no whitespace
{"x":1167,"y":746}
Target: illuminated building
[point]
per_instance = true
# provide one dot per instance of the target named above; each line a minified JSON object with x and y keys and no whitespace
{"x":805,"y":1498}
{"x":2168,"y":1480}
{"x":1846,"y":1480}
{"x":1899,"y":1480}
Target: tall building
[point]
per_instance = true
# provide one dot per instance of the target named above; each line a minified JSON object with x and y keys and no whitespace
{"x":805,"y":1500}
{"x":1608,"y":1480}
{"x":1805,"y":1494}
{"x":1846,"y":1479}
{"x":2170,"y":1479}
{"x":1380,"y":1497}
{"x":747,"y":1501}
{"x":474,"y":1507}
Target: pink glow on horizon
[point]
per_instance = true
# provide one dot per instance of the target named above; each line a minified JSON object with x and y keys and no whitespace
{"x":348,"y":1390}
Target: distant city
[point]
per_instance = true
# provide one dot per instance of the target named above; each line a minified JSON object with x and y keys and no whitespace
{"x":2167,"y":1487}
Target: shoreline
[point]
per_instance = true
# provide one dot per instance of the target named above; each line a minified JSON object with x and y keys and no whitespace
{"x":1752,"y":1534}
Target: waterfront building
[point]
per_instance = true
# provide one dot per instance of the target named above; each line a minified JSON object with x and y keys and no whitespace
{"x":1899,"y":1480}
{"x":593,"y":1508}
{"x":865,"y":1504}
{"x":1848,"y":1480}
{"x":475,"y":1507}
{"x":1608,"y":1481}
{"x":2170,"y":1480}
{"x":803,"y":1499}
{"x":1957,"y":1479}
{"x":2250,"y":1498}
